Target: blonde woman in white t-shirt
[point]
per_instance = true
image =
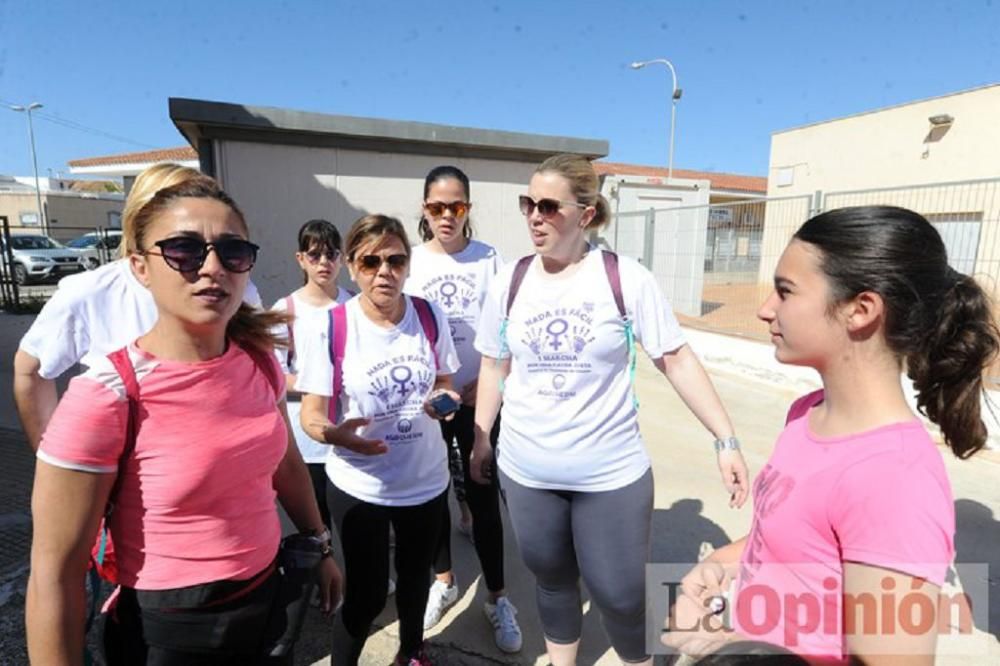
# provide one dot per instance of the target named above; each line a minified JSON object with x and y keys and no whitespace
{"x":558,"y":328}
{"x":454,"y":271}
{"x":319,"y":258}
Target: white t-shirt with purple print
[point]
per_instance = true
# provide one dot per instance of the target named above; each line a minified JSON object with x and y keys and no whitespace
{"x":387,"y":375}
{"x":457,"y":283}
{"x":569,"y":422}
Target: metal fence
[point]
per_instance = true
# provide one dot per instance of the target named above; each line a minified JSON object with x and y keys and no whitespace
{"x":32,"y":262}
{"x":715,"y":262}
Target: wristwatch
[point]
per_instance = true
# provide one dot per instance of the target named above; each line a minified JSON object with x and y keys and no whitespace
{"x":727,"y":444}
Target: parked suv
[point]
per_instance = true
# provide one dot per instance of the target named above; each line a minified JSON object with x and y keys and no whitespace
{"x":38,"y":257}
{"x":97,"y":247}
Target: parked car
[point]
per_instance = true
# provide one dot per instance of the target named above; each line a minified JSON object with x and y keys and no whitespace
{"x":37,"y":258}
{"x":97,"y":247}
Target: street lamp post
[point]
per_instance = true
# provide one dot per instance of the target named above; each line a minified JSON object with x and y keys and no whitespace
{"x":34,"y":160}
{"x":674,"y":98}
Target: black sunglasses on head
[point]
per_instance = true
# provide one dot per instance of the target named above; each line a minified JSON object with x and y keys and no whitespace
{"x":186,"y":255}
{"x":546,"y":207}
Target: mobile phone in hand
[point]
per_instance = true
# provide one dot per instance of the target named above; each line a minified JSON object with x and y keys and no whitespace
{"x":444,"y":404}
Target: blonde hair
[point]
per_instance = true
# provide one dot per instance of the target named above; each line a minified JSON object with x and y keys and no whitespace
{"x":250,"y":328}
{"x":147,"y":184}
{"x":583,"y":182}
{"x":374,"y":227}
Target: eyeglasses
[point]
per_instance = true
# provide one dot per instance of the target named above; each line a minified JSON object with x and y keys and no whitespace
{"x":546,"y":207}
{"x":187,"y":255}
{"x":370,"y":263}
{"x":316,"y":256}
{"x":437,"y":208}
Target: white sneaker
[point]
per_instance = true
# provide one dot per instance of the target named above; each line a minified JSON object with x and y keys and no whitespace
{"x":441,"y":598}
{"x":506,"y":632}
{"x":392,"y":587}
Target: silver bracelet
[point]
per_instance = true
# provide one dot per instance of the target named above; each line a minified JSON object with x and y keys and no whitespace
{"x":727,"y":444}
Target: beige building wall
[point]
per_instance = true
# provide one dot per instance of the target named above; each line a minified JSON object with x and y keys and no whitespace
{"x":69,"y":215}
{"x":341,"y":185}
{"x":900,"y":148}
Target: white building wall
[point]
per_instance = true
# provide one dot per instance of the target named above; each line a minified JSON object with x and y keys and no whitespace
{"x":280,"y":187}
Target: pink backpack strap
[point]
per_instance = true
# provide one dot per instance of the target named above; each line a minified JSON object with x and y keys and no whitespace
{"x":520,"y":270}
{"x":265,"y":364}
{"x":429,"y":323}
{"x":290,"y":309}
{"x":337,"y":335}
{"x":123,"y":365}
{"x":615,"y":280}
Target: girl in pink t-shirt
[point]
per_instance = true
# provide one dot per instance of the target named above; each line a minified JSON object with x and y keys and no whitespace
{"x":194,"y":525}
{"x":853,"y":528}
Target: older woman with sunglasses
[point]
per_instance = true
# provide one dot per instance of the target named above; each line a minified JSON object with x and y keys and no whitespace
{"x":559,"y":327}
{"x":185,"y":431}
{"x":373,"y":387}
{"x":319,"y":258}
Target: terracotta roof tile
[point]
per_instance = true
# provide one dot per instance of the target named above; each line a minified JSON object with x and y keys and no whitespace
{"x":181,"y":153}
{"x":720,"y":181}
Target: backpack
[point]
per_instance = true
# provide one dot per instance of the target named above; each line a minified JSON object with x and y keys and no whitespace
{"x":610,"y":260}
{"x":337,"y":335}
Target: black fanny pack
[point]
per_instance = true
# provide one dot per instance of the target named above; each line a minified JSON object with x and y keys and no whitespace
{"x":262,"y":616}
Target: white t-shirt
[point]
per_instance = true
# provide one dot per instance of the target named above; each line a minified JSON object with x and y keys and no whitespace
{"x":94,"y":313}
{"x":457,"y":283}
{"x":387,"y":375}
{"x":568,"y":418}
{"x":308,"y":320}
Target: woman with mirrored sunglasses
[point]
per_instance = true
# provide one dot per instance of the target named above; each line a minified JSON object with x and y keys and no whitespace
{"x":558,"y":335}
{"x":368,"y":385}
{"x":454,"y":271}
{"x":318,"y":256}
{"x":185,"y":432}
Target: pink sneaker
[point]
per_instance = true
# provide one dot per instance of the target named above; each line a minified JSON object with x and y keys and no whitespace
{"x":418,"y":658}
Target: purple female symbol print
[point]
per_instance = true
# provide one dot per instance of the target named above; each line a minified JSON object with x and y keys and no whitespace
{"x":401,"y":375}
{"x":448,"y":291}
{"x":557,"y":330}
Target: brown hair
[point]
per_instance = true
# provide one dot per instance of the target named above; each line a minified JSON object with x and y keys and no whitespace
{"x":249,"y":327}
{"x":939,"y":321}
{"x":583,"y":182}
{"x":372,"y":227}
{"x":146,"y":185}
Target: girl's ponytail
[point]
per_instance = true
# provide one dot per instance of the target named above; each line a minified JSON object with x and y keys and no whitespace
{"x":947,"y":367}
{"x":252,"y":328}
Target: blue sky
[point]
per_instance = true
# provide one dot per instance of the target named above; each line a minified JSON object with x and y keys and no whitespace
{"x":746,"y":68}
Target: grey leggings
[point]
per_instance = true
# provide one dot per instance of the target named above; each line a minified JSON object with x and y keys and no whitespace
{"x":603,"y":536}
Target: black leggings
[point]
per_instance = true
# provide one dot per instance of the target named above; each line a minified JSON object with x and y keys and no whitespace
{"x":364,"y":536}
{"x":317,"y":472}
{"x":487,"y":527}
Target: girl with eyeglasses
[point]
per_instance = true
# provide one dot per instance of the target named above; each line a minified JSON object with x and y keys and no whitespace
{"x":370,"y":384}
{"x":319,"y":258}
{"x":854,"y":503}
{"x":185,"y":431}
{"x":557,"y":332}
{"x":455,"y":271}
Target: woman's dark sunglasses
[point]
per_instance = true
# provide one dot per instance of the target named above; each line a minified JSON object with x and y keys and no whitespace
{"x":437,"y":208}
{"x":547,"y":207}
{"x":369,"y":263}
{"x":187,"y":255}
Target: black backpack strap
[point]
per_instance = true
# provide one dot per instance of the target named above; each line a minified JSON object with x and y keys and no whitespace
{"x":520,"y":270}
